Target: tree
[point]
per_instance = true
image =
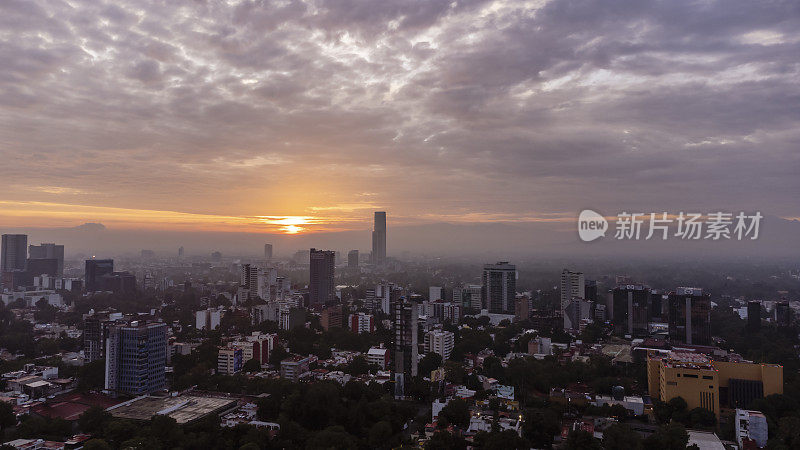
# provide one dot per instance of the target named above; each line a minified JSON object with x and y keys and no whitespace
{"x":358,"y":366}
{"x":96,"y":444}
{"x":442,"y":440}
{"x":332,"y":438}
{"x":429,"y":363}
{"x":456,"y":412}
{"x":379,"y":434}
{"x":668,"y":437}
{"x":702,"y":418}
{"x":581,"y":440}
{"x":93,"y":419}
{"x":277,"y":355}
{"x":503,"y":440}
{"x":252,"y":365}
{"x":7,"y":416}
{"x":621,"y":437}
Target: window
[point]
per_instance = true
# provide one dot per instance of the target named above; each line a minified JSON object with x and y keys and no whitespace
{"x":706,"y":377}
{"x":689,"y":375}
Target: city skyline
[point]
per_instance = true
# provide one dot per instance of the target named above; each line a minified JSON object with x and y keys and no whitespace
{"x":498,"y":112}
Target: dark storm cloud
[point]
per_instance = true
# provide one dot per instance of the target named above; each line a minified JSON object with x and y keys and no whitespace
{"x":427,"y":104}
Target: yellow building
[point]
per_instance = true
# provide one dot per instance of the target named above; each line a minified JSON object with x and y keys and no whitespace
{"x":710,"y":384}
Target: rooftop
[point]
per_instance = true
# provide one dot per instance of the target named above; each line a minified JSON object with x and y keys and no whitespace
{"x":184,"y":409}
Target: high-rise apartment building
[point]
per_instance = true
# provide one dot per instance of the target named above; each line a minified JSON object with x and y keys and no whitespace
{"x":572,"y":286}
{"x":136,"y":358}
{"x":352,"y":259}
{"x":48,"y":251}
{"x":95,"y":270}
{"x":14,"y":252}
{"x":362,"y":323}
{"x":405,"y":346}
{"x":690,"y":316}
{"x":321,"y":289}
{"x":500,"y":287}
{"x":379,"y":238}
{"x":782,"y":314}
{"x":440,"y":342}
{"x":249,"y":279}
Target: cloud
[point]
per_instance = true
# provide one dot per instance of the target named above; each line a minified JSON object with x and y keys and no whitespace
{"x":472,"y":108}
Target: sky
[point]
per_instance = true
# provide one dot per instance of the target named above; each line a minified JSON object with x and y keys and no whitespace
{"x":306,"y":116}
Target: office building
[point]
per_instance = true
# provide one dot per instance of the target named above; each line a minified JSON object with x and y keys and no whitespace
{"x":470,"y":297}
{"x":690,"y":316}
{"x":180,"y":252}
{"x":14,"y":252}
{"x":48,"y":251}
{"x":578,"y":314}
{"x":117,"y":282}
{"x":572,"y":286}
{"x":782,"y":314}
{"x":629,"y":310}
{"x":230,"y":360}
{"x":405,"y":345}
{"x":435,"y":293}
{"x":710,"y":384}
{"x":41,"y":266}
{"x":590,"y":290}
{"x":208,"y":319}
{"x":362,"y":323}
{"x":321,"y":284}
{"x":753,"y":316}
{"x":352,"y":259}
{"x":500,"y":287}
{"x":136,"y":358}
{"x":440,"y":342}
{"x":332,"y":317}
{"x":379,"y":238}
{"x":95,"y":269}
{"x":294,"y":367}
{"x":268,"y":252}
{"x":751,"y":429}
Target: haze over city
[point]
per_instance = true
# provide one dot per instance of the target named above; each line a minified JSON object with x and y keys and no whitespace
{"x":203,"y":119}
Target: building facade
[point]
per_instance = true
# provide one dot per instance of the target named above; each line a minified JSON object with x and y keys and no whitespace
{"x":379,"y":238}
{"x":500,"y":287}
{"x":136,"y":358}
{"x":321,"y":289}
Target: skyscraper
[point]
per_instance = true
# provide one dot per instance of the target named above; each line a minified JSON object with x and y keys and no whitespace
{"x":500,"y":287}
{"x":572,"y":286}
{"x":690,"y":316}
{"x":753,"y":315}
{"x":629,"y":309}
{"x":379,"y":238}
{"x":136,"y":356}
{"x":405,"y":347}
{"x":320,"y":286}
{"x":14,"y":252}
{"x":95,"y":269}
{"x":48,"y":251}
{"x":352,"y":259}
{"x":180,"y":252}
{"x":268,"y":252}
